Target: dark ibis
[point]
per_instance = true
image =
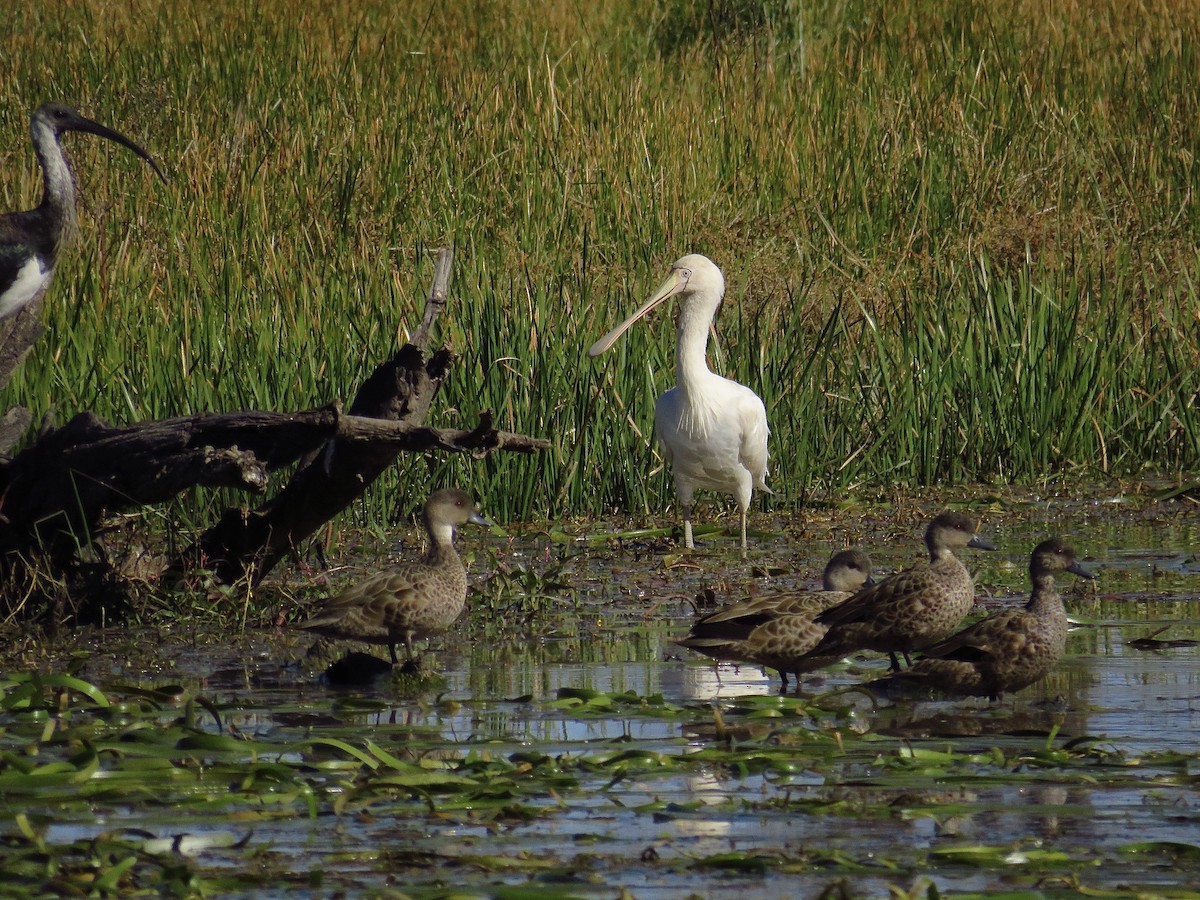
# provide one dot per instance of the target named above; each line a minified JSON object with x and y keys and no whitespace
{"x":30,"y":240}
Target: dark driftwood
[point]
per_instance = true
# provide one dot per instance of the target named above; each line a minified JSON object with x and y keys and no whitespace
{"x":246,"y":545}
{"x":56,"y":493}
{"x":65,"y":484}
{"x":18,"y":334}
{"x":437,"y":298}
{"x":13,"y":424}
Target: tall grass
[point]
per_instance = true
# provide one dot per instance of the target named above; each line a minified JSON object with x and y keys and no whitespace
{"x":960,"y":240}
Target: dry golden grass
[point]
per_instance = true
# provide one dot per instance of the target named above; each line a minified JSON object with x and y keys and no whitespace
{"x":849,"y":165}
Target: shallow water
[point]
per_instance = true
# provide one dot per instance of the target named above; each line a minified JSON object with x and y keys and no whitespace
{"x":1056,"y":784}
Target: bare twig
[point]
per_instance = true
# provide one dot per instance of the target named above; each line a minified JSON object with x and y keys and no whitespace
{"x":437,"y":297}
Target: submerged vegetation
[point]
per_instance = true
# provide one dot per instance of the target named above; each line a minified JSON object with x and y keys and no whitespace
{"x":960,"y":242}
{"x":162,"y":788}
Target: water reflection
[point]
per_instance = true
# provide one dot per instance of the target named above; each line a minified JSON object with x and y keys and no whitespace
{"x":1103,"y":686}
{"x":613,"y":634}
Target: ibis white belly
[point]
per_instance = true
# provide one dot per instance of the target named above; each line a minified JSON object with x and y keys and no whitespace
{"x":31,"y":280}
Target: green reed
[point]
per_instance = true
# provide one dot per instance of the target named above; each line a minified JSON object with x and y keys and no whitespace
{"x":959,"y":242}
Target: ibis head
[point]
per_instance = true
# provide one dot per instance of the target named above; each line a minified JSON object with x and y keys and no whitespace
{"x":30,"y":240}
{"x":54,"y":119}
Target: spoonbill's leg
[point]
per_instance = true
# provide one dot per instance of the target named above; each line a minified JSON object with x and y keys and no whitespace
{"x":686,"y":494}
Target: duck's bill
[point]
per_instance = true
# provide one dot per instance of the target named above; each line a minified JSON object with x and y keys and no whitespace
{"x":83,"y":124}
{"x":476,"y":519}
{"x":1076,"y":569}
{"x":980,"y":544}
{"x":673,"y":285}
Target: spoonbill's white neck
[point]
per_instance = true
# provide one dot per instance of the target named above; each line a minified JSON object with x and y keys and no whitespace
{"x":703,"y":401}
{"x":691,"y":362}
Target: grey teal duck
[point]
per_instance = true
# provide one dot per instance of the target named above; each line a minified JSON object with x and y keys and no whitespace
{"x":912,"y":609}
{"x":777,"y":630}
{"x":1009,"y":650}
{"x":411,"y":599}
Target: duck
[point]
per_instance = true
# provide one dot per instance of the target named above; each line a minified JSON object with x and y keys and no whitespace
{"x":412,"y":599}
{"x":778,"y":630}
{"x":712,"y":430}
{"x":1009,"y":650}
{"x":911,"y":609}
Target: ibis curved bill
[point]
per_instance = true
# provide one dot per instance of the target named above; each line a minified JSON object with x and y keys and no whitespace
{"x":712,"y":430}
{"x":30,"y":240}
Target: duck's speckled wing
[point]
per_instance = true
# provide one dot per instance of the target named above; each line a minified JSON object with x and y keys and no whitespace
{"x":866,"y":605}
{"x":761,"y":609}
{"x":764,"y":630}
{"x":1001,"y":636}
{"x":383,"y":603}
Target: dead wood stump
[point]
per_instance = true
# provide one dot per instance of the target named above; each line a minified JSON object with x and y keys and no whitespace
{"x":56,"y":494}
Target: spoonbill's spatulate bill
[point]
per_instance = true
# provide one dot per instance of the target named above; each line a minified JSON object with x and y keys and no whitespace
{"x":712,"y":430}
{"x":30,"y":240}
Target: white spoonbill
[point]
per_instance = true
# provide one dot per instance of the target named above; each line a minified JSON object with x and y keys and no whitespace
{"x":712,"y":430}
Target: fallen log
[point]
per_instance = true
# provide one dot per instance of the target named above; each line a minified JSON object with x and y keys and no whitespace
{"x":56,"y":494}
{"x":18,"y":334}
{"x":66,"y":483}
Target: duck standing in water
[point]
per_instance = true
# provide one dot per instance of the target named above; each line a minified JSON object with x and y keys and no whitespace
{"x":913,"y":609}
{"x":1011,"y":649}
{"x":410,"y":599}
{"x":778,"y":630}
{"x":712,"y":430}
